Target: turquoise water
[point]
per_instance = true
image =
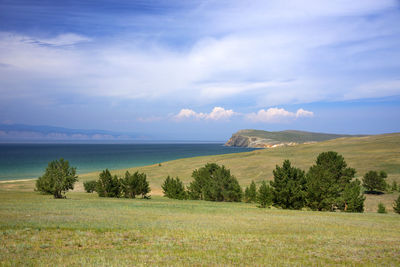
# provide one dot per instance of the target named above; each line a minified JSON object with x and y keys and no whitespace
{"x":22,"y":161}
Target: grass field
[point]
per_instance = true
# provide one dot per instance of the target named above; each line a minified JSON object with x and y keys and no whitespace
{"x":87,"y":230}
{"x":84,"y":229}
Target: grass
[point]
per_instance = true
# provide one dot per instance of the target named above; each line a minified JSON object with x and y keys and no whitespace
{"x":87,"y":230}
{"x":84,"y":229}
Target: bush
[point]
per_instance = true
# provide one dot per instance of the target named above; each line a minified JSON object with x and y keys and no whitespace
{"x":215,"y":183}
{"x":264,"y":195}
{"x":326,"y":182}
{"x":396,"y":205}
{"x":90,"y":186}
{"x":174,"y":188}
{"x":135,"y":184}
{"x":108,"y":185}
{"x":288,"y":186}
{"x":394,"y":186}
{"x":58,"y":178}
{"x":372,"y":181}
{"x":250,"y":193}
{"x":381,"y":208}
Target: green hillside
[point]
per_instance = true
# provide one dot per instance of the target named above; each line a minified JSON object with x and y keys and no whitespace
{"x":379,"y":152}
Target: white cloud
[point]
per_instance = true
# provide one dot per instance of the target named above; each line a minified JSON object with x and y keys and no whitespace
{"x":268,"y":52}
{"x":218,"y":113}
{"x":277,"y":115}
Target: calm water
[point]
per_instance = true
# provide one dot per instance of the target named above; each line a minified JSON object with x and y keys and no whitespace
{"x":21,"y":161}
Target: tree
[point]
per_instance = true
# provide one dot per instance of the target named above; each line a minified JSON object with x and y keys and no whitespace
{"x":264,"y":195}
{"x":174,"y":188}
{"x":108,"y":185}
{"x":288,"y":186}
{"x":381,"y":208}
{"x":58,"y":178}
{"x":326,"y":182}
{"x":215,"y":183}
{"x":372,"y":181}
{"x":135,"y":184}
{"x":353,"y":198}
{"x":396,"y":205}
{"x":90,"y":186}
{"x":250,"y":193}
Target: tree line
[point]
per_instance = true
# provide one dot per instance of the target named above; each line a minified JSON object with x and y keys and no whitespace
{"x":328,"y":185}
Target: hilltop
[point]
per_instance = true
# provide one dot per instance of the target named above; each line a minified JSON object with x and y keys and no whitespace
{"x":263,"y":139}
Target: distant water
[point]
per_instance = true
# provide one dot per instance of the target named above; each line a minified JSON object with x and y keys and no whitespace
{"x":22,"y":161}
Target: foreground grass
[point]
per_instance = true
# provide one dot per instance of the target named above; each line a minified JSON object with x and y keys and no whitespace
{"x":86,"y":230}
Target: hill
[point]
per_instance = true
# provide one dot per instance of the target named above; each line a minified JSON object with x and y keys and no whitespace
{"x":378,"y":152}
{"x":259,"y":138}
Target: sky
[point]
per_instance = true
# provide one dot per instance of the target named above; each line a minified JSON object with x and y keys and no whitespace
{"x":201,"y":70}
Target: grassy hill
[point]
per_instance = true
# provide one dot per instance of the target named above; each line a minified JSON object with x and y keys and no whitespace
{"x":259,"y":138}
{"x":379,"y":152}
{"x":87,"y":230}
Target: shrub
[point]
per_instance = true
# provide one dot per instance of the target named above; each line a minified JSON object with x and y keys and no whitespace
{"x":396,"y":205}
{"x":174,"y":188}
{"x":394,"y":186}
{"x":381,"y":208}
{"x":288,"y":186}
{"x":372,"y":181}
{"x":90,"y":186}
{"x":135,"y":184}
{"x":58,"y":178}
{"x":326,"y":182}
{"x":250,"y":193}
{"x":215,"y":183}
{"x":264,"y":195}
{"x":108,"y":185}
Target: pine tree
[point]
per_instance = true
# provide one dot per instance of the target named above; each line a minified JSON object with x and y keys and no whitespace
{"x":215,"y":183}
{"x":58,"y":178}
{"x":174,"y":188}
{"x":394,"y":186}
{"x":326,"y":181}
{"x":288,"y":186}
{"x":250,"y":194}
{"x":264,"y":195}
{"x":353,"y":199}
{"x":396,"y":205}
{"x":374,"y":181}
{"x":108,"y":185}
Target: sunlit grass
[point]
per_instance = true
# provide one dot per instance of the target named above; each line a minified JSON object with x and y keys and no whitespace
{"x":87,"y":230}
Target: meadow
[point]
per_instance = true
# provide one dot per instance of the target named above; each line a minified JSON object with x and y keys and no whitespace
{"x":84,"y":229}
{"x":87,"y":230}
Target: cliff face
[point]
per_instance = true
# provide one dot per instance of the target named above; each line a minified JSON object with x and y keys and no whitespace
{"x":265,"y":139}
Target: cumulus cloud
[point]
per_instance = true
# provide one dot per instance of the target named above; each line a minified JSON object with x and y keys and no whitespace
{"x":278,"y":115}
{"x":218,"y":113}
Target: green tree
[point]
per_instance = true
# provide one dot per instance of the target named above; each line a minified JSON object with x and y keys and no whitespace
{"x":374,"y":181}
{"x":326,"y":182}
{"x":353,"y":198}
{"x":288,"y":186}
{"x":58,"y":178}
{"x":381,"y":208}
{"x":135,"y":184}
{"x":264,"y":195}
{"x":250,"y":193}
{"x":215,"y":183}
{"x":396,"y":205}
{"x":90,"y":186}
{"x":108,"y":185}
{"x":174,"y":188}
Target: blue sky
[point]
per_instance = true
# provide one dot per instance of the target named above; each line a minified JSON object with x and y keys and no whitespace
{"x":201,"y":69}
